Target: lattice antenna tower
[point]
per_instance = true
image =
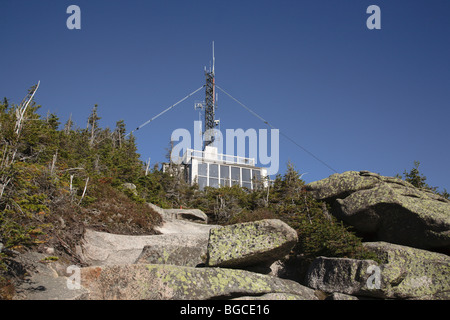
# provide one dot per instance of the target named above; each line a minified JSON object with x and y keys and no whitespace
{"x":210,"y":104}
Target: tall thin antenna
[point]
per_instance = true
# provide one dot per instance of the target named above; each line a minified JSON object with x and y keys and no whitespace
{"x":214,"y":58}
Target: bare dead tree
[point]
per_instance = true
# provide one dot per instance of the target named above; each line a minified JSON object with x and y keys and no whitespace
{"x":68,"y":125}
{"x":84,"y":191}
{"x":148,"y":165}
{"x":93,"y":123}
{"x":52,"y":168}
{"x":10,"y":150}
{"x":20,"y":111}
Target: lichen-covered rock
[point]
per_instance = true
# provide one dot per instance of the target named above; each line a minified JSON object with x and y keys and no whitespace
{"x":386,"y":208}
{"x":343,"y":275}
{"x":340,"y":296}
{"x":180,"y":255}
{"x":166,"y":282}
{"x":251,"y":243}
{"x":341,"y":185}
{"x":410,"y":273}
{"x":404,"y":273}
{"x":274,"y":296}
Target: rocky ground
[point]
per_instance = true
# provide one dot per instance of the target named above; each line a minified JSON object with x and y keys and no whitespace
{"x":191,"y":259}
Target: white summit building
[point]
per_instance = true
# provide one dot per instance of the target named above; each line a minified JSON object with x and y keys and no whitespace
{"x":209,"y":168}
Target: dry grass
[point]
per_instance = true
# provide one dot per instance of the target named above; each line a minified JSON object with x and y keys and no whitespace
{"x":6,"y":289}
{"x":109,"y":210}
{"x":115,"y":212}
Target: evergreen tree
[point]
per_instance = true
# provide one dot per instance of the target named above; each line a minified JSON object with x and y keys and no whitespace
{"x":119,"y":134}
{"x":418,"y":180}
{"x":52,"y":121}
{"x":92,"y":125}
{"x":4,"y":105}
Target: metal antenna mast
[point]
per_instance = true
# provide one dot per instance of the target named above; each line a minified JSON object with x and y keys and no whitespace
{"x":210,"y":103}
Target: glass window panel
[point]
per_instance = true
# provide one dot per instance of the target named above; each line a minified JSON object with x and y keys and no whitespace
{"x":256,"y":175}
{"x":214,"y":170}
{"x":202,"y":183}
{"x":247,"y":185}
{"x":235,"y":173}
{"x":224,"y":182}
{"x":235,"y":183}
{"x":246,"y":175}
{"x":214,"y":182}
{"x":202,"y":169}
{"x":225,"y":172}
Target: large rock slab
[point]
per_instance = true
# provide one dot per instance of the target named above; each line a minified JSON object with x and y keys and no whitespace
{"x":340,"y":296}
{"x":404,"y":273}
{"x":251,"y":243}
{"x":341,"y":185}
{"x":195,"y":215}
{"x":343,"y":275}
{"x":168,"y":282}
{"x":179,"y":255}
{"x":388,"y":209}
{"x":101,"y":248}
{"x":410,"y":273}
{"x":43,"y":279}
{"x":274,"y":296}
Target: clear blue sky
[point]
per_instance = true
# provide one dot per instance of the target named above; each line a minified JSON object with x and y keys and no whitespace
{"x":358,"y":99}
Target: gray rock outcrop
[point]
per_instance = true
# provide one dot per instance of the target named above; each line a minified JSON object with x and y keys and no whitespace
{"x":386,"y":208}
{"x":179,"y":255}
{"x":251,"y":243}
{"x":405,"y":273}
{"x":101,"y":248}
{"x":411,"y":273}
{"x":195,"y":215}
{"x":166,"y":282}
{"x":343,"y":275}
{"x":43,"y":279}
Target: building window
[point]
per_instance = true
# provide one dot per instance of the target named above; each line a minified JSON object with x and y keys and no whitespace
{"x":203,"y":169}
{"x":214,"y":170}
{"x":246,"y":175}
{"x":256,"y":178}
{"x":247,"y":185}
{"x":202,"y":182}
{"x":214,"y":182}
{"x":235,"y":176}
{"x":225,"y":176}
{"x":256,"y":175}
{"x":202,"y":175}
